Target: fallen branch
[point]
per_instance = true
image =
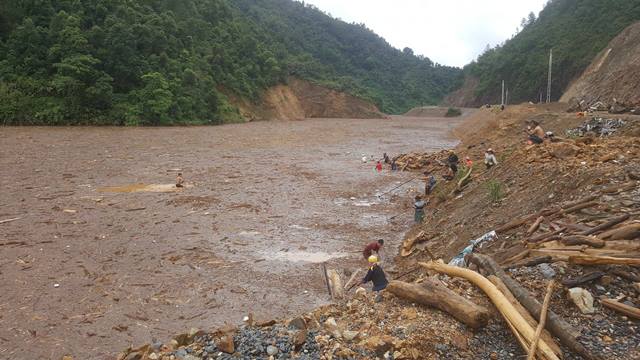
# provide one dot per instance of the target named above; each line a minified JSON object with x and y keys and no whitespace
{"x":626,"y":275}
{"x":602,"y":260}
{"x":579,"y":207}
{"x":530,"y":262}
{"x":534,"y":227}
{"x":543,"y":237}
{"x":618,"y":188}
{"x":557,"y":326}
{"x":611,"y":223}
{"x":627,"y":232}
{"x":571,"y":283}
{"x":543,"y":320}
{"x":507,"y":310}
{"x":9,"y":220}
{"x":434,"y":294}
{"x":627,"y":310}
{"x":353,"y":276}
{"x":583,"y":240}
{"x":525,"y":314}
{"x":517,"y":257}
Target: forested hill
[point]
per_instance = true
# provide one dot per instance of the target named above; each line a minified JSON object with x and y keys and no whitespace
{"x":156,"y":62}
{"x":576,"y":30}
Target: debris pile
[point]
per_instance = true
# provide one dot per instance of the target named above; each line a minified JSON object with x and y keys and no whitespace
{"x":598,"y":126}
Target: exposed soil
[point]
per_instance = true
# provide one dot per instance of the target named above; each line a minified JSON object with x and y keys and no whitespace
{"x":105,"y":252}
{"x":302,"y":99}
{"x":613,"y":74}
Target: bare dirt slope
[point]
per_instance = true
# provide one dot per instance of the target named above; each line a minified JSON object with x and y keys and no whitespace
{"x":300,"y":99}
{"x":465,"y":96}
{"x":613,"y":74}
{"x":102,"y":252}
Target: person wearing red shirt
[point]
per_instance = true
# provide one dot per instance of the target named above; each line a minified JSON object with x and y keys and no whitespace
{"x":379,"y":166}
{"x":373,"y":247}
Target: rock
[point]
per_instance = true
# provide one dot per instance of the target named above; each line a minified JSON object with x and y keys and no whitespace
{"x":618,"y":108}
{"x":153,"y":356}
{"x":298,"y":323}
{"x":606,"y":280}
{"x":636,"y":286}
{"x":563,"y":150}
{"x":191,"y":357}
{"x":299,"y":338}
{"x":379,"y":344}
{"x":225,"y":344}
{"x":547,"y":271}
{"x":361,"y":293}
{"x":494,"y":356}
{"x":350,"y":335}
{"x":576,"y":105}
{"x":583,"y":300}
{"x":181,"y":353}
{"x":67,"y":357}
{"x":272,"y":350}
{"x":409,"y":313}
{"x":443,"y":348}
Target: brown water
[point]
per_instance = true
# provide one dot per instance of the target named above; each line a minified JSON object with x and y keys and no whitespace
{"x":102,"y":258}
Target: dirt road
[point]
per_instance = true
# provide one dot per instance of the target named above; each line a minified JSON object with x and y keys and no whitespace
{"x":105,"y":253}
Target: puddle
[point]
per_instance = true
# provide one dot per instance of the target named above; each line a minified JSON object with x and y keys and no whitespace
{"x":141,"y":188}
{"x":305,"y":256}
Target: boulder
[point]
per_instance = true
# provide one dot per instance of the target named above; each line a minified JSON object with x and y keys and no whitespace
{"x":618,"y":108}
{"x":225,"y":344}
{"x":563,"y":150}
{"x":583,"y":300}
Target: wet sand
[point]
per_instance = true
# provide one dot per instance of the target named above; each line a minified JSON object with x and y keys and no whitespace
{"x":105,"y":253}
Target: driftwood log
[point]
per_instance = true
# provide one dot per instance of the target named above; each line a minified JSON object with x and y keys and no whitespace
{"x":571,"y":283}
{"x":543,"y":237}
{"x":583,"y":240}
{"x":609,"y":224}
{"x":534,"y":227}
{"x":434,"y":294}
{"x":602,"y":260}
{"x":627,"y":232}
{"x":523,"y":330}
{"x":530,"y":262}
{"x":624,"y":309}
{"x":525,"y":314}
{"x":542,"y":322}
{"x":556,"y":325}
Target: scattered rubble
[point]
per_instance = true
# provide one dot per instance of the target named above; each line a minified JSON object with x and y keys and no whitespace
{"x":597,"y":126}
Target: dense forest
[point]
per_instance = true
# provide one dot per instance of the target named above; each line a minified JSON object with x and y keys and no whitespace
{"x":576,"y":30}
{"x":163,"y":62}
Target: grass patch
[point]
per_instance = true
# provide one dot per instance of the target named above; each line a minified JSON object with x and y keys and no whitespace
{"x":495,"y":190}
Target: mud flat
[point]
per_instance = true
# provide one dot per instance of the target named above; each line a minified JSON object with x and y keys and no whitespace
{"x":104,"y":253}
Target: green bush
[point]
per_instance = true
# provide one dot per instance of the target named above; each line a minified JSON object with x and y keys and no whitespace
{"x":495,"y":189}
{"x":453,"y":112}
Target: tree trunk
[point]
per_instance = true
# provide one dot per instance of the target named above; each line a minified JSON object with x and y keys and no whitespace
{"x":571,"y":283}
{"x":503,"y":305}
{"x":621,"y":308}
{"x":525,"y":314}
{"x":583,"y":240}
{"x":611,"y":223}
{"x":434,"y":294}
{"x":558,"y":327}
{"x":602,"y":260}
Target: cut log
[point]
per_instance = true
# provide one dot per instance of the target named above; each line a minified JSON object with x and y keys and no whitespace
{"x":626,"y":275}
{"x":571,"y":283}
{"x":609,"y":224}
{"x":627,"y":232}
{"x":507,"y":310}
{"x":602,"y":260}
{"x":434,"y":294}
{"x":525,"y":314}
{"x":579,"y":202}
{"x":579,"y":207}
{"x":517,"y":257}
{"x":534,"y":227}
{"x":353,"y":276}
{"x":583,"y":240}
{"x":627,"y":310}
{"x":618,"y":188}
{"x":557,"y":326}
{"x":407,"y":244}
{"x":335,"y":283}
{"x":542,"y":322}
{"x":543,"y":237}
{"x":530,"y":262}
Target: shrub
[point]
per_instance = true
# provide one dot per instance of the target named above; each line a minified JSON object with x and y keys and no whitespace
{"x":453,"y":112}
{"x":496,"y":191}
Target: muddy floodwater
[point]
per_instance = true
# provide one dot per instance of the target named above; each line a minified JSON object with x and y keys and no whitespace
{"x":99,"y":251}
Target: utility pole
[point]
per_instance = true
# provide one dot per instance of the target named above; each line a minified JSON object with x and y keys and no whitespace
{"x":502,"y":103}
{"x":540,"y":93}
{"x":549,"y":78}
{"x":506,"y":97}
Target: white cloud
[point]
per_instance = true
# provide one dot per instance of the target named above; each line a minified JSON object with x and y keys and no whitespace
{"x":450,"y":32}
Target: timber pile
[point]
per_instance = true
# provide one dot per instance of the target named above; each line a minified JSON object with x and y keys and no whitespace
{"x":422,"y":161}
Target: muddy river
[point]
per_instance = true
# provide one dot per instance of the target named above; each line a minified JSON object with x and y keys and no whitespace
{"x":99,"y":251}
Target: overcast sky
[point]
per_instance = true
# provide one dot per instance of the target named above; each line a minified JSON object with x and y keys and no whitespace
{"x":449,"y":32}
